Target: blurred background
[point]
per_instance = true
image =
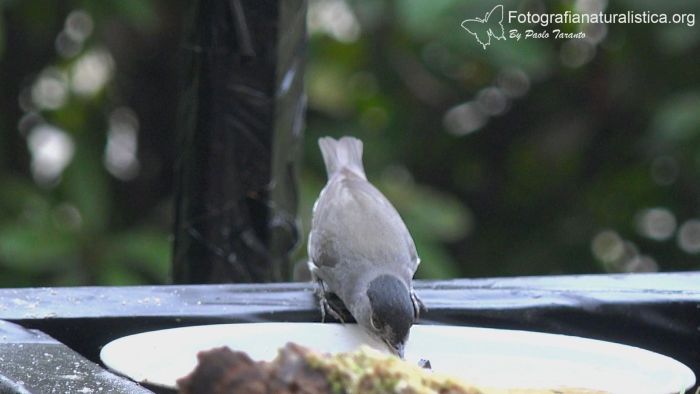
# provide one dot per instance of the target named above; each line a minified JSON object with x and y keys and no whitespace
{"x":526,"y":158}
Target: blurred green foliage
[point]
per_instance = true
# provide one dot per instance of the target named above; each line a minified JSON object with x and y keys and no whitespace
{"x":72,"y":209}
{"x":528,"y":157}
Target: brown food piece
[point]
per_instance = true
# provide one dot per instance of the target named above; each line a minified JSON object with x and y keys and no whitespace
{"x":223,"y":371}
{"x":300,"y":370}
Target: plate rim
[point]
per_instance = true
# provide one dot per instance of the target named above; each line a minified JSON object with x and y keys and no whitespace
{"x":683,"y":371}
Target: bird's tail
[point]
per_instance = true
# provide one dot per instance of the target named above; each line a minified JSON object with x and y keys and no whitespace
{"x":343,"y":153}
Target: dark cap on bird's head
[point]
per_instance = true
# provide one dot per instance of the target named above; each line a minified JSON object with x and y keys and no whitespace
{"x":392,"y":312}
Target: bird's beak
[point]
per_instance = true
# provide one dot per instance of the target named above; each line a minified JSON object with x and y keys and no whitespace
{"x":398,"y":349}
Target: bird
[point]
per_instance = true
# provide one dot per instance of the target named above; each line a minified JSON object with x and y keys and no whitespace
{"x":361,"y":250}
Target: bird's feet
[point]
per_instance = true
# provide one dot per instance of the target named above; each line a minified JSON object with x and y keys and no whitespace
{"x":326,"y":306}
{"x":418,"y":304}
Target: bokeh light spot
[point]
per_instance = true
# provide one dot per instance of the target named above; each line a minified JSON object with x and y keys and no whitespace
{"x":120,"y":157}
{"x":513,"y":82}
{"x":335,"y":18}
{"x":640,"y":263}
{"x":464,"y":119}
{"x":79,"y":25}
{"x":607,"y":246}
{"x":689,"y":236}
{"x":52,"y":150}
{"x":492,"y":101}
{"x":50,"y":90}
{"x":656,"y":223}
{"x":91,"y":72}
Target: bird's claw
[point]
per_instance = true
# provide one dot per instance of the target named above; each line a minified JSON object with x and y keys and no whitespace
{"x":326,"y":306}
{"x":418,"y":304}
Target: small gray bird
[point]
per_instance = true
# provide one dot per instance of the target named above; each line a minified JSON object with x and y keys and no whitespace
{"x":360,"y":249}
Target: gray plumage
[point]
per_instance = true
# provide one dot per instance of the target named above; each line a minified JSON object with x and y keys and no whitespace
{"x":361,"y":250}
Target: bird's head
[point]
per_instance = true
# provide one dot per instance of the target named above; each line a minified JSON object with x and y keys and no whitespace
{"x":388,"y":314}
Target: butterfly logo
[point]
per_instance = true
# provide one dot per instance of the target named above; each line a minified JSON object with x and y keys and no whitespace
{"x":491,"y":25}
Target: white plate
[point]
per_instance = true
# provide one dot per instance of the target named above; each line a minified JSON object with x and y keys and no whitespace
{"x":482,"y":356}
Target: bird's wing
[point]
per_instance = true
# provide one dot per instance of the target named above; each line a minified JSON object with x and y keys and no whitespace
{"x":354,"y":223}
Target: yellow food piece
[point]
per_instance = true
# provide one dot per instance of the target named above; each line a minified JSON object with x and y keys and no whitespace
{"x":371,"y":372}
{"x":368,"y":371}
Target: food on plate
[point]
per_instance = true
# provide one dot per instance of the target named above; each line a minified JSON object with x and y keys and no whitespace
{"x":300,"y":370}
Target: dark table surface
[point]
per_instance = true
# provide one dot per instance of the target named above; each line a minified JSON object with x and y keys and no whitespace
{"x":659,"y":312}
